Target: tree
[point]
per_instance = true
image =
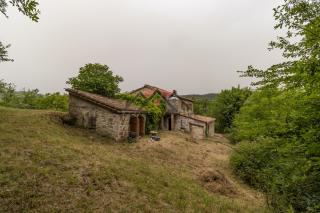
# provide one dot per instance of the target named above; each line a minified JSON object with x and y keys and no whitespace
{"x":7,"y":93}
{"x":27,"y":7}
{"x":4,"y":52}
{"x":300,"y":46}
{"x":268,"y":112}
{"x":96,"y":78}
{"x":281,"y":121}
{"x":227,"y":104}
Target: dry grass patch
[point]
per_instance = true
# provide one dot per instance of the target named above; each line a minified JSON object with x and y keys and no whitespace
{"x":48,"y":166}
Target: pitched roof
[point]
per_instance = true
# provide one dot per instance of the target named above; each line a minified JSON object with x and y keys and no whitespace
{"x":115,"y":105}
{"x":200,"y":118}
{"x":148,"y":91}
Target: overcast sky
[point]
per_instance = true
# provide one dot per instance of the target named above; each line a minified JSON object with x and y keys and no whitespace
{"x":193,"y":46}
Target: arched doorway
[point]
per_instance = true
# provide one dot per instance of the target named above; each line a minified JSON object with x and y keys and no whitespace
{"x":137,"y":126}
{"x":133,"y":126}
{"x":141,"y":125}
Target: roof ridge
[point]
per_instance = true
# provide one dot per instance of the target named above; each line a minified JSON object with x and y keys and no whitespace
{"x":107,"y":102}
{"x":205,"y":119}
{"x":155,"y":87}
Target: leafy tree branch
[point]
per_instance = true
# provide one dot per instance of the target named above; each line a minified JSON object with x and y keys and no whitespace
{"x":28,"y":8}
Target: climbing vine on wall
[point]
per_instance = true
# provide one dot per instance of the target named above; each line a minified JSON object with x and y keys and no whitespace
{"x":154,"y":106}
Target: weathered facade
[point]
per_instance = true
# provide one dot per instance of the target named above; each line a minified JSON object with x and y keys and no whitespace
{"x":115,"y":118}
{"x":179,"y":113}
{"x":120,"y":119}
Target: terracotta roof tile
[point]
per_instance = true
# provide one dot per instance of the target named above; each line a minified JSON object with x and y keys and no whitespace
{"x":109,"y":103}
{"x":148,"y":91}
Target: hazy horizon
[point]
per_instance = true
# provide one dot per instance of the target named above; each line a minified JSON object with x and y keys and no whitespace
{"x":192,"y":46}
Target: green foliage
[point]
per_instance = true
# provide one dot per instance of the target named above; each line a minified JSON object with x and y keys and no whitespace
{"x":4,"y":52}
{"x":227,"y":104}
{"x":266,"y":113}
{"x":154,"y":106}
{"x":31,"y":99}
{"x":203,"y":106}
{"x":282,"y":119}
{"x":283,"y":157}
{"x":280,"y":168}
{"x":7,"y":92}
{"x":224,"y":107}
{"x":98,"y":79}
{"x":300,"y":45}
{"x":27,"y":7}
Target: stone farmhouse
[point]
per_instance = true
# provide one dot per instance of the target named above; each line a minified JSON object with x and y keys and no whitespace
{"x":115,"y":118}
{"x":179,"y":113}
{"x":120,"y":119}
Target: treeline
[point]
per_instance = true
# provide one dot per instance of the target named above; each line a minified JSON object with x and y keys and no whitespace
{"x":31,"y":99}
{"x":209,"y":96}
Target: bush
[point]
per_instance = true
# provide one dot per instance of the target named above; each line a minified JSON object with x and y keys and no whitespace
{"x":31,"y":99}
{"x":281,"y":169}
{"x":282,"y":155}
{"x":250,"y":159}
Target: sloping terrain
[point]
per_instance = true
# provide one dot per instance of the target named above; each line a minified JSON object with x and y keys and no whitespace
{"x":47,"y":166}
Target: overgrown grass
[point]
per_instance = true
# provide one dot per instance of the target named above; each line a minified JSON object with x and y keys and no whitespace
{"x":45,"y":166}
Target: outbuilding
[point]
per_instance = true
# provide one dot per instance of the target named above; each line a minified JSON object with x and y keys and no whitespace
{"x":111,"y":117}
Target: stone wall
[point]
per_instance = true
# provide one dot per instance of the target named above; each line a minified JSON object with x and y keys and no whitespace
{"x":183,"y":123}
{"x":113,"y":125}
{"x":104,"y":121}
{"x":211,"y":129}
{"x":197,"y":132}
{"x":187,"y":107}
{"x":177,"y":105}
{"x":173,"y":105}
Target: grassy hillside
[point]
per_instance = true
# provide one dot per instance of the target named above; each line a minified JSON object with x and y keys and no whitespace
{"x":45,"y":165}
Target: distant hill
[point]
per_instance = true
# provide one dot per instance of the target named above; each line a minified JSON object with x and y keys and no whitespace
{"x":209,"y":96}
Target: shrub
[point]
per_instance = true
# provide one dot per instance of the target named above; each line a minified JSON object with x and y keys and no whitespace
{"x":31,"y":99}
{"x":280,"y":169}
